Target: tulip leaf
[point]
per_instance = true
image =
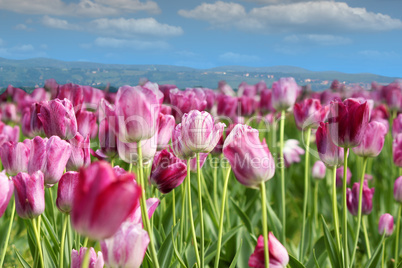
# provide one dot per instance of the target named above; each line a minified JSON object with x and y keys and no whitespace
{"x":376,"y":258}
{"x":320,"y":254}
{"x":211,"y":251}
{"x":176,"y":252}
{"x":331,"y":246}
{"x":234,"y":261}
{"x":50,"y":231}
{"x":166,"y":250}
{"x":21,"y":259}
{"x":274,"y":221}
{"x":49,"y":258}
{"x":294,"y":263}
{"x":242,"y":216}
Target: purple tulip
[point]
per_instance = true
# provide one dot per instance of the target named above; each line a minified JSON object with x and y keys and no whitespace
{"x":398,"y":190}
{"x":186,"y":101}
{"x":397,"y":150}
{"x":386,"y":224}
{"x":250,"y":159}
{"x":58,"y":118}
{"x":15,"y":156}
{"x":66,"y":190}
{"x":373,"y":140}
{"x":165,"y":129}
{"x":6,"y":191}
{"x":309,"y":113}
{"x":318,"y":171}
{"x":353,"y":199}
{"x":128,"y":152}
{"x":339,"y":176}
{"x":329,"y":153}
{"x":86,"y":124}
{"x":29,"y":194}
{"x":278,"y":255}
{"x":49,"y":156}
{"x":95,"y":261}
{"x":347,"y":122}
{"x":292,"y":152}
{"x":199,"y":131}
{"x":80,"y":152}
{"x":284,"y":93}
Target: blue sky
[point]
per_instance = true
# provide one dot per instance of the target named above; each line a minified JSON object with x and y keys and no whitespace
{"x":350,"y":36}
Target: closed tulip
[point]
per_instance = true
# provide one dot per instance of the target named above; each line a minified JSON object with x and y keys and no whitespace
{"x":309,"y":113}
{"x":278,"y":255}
{"x":318,"y":171}
{"x":103,"y":200}
{"x":165,"y":129}
{"x":251,"y":160}
{"x":210,"y":97}
{"x":165,"y":89}
{"x":398,"y":190}
{"x":80,"y":152}
{"x":397,"y":125}
{"x":266,"y":101}
{"x":95,"y":260}
{"x":284,"y":93}
{"x":329,"y":153}
{"x":107,"y":140}
{"x":6,"y":191}
{"x":29,"y":194}
{"x":227,"y":106}
{"x":128,"y":152}
{"x":347,"y":122}
{"x":185,"y":101}
{"x":373,"y":140}
{"x":86,"y":124}
{"x":15,"y":156}
{"x":386,"y":224}
{"x":74,"y":93}
{"x":66,"y":189}
{"x":353,"y":199}
{"x":179,"y":147}
{"x":397,"y":150}
{"x":9,"y":133}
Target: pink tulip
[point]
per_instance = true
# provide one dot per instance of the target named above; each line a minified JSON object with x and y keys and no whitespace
{"x":9,"y":112}
{"x":318,"y":171}
{"x":86,"y":124}
{"x":58,"y":118}
{"x":329,"y":153}
{"x":103,"y":200}
{"x":373,"y":140}
{"x":260,"y":86}
{"x":210,"y":97}
{"x":92,"y":95}
{"x":74,"y":93}
{"x":193,"y":162}
{"x":10,"y":133}
{"x":386,"y":224}
{"x":339,"y":176}
{"x":397,"y":150}
{"x":266,"y":101}
{"x":347,"y":122}
{"x":29,"y":194}
{"x":393,"y":96}
{"x":353,"y":199}
{"x":185,"y":101}
{"x":327,"y":96}
{"x":66,"y":190}
{"x":397,"y":125}
{"x":248,"y":105}
{"x":95,"y":261}
{"x":179,"y":147}
{"x":6,"y":191}
{"x":36,"y":125}
{"x":199,"y":131}
{"x":80,"y":152}
{"x":15,"y":156}
{"x":398,"y":190}
{"x":309,"y":113}
{"x":165,"y":89}
{"x":128,"y":152}
{"x":250,"y":159}
{"x":168,"y":171}
{"x":52,"y":86}
{"x":107,"y":140}
{"x":225,"y":88}
{"x":227,"y":106}
{"x":278,"y":255}
{"x":49,"y":156}
{"x":292,"y":152}
{"x":165,"y":129}
{"x":284,"y":93}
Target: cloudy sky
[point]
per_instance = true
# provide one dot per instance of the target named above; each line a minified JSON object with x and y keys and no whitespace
{"x":349,"y":36}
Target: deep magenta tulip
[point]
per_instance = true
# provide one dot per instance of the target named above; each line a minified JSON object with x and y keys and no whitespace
{"x":386,"y":224}
{"x":86,"y":124}
{"x":292,"y":152}
{"x":347,"y":122}
{"x":266,"y":101}
{"x":398,"y":190}
{"x":248,"y":105}
{"x":29,"y":194}
{"x":74,"y":93}
{"x":95,"y":261}
{"x":397,"y":125}
{"x":284,"y":93}
{"x":193,"y":162}
{"x":66,"y":190}
{"x":250,"y":158}
{"x":165,"y":129}
{"x":185,"y":101}
{"x":373,"y":140}
{"x":227,"y":106}
{"x":128,"y":152}
{"x":353,"y":199}
{"x":49,"y":156}
{"x":165,"y":89}
{"x":36,"y":125}
{"x":107,"y":140}
{"x":309,"y":113}
{"x":103,"y":200}
{"x":339,"y":176}
{"x":9,"y":112}
{"x":6,"y":191}
{"x":329,"y":153}
{"x":15,"y":156}
{"x":278,"y":255}
{"x":58,"y":118}
{"x":318,"y":171}
{"x":210,"y":97}
{"x":179,"y":147}
{"x":80,"y":152}
{"x":397,"y":150}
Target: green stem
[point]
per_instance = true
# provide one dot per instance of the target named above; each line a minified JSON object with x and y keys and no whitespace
{"x":366,"y":239}
{"x":183,"y":209}
{"x":84,"y":245}
{"x":335,"y":209}
{"x":10,"y":225}
{"x":359,"y":211}
{"x":315,"y":208}
{"x":52,"y":209}
{"x":283,"y":200}
{"x":37,"y":236}
{"x":188,"y":183}
{"x":63,"y":236}
{"x":112,"y":162}
{"x":174,"y":207}
{"x":306,"y":191}
{"x":225,"y":187}
{"x":143,"y":204}
{"x":383,"y":253}
{"x":200,"y":207}
{"x":398,"y":226}
{"x":264,"y":223}
{"x":215,"y":186}
{"x":345,"y":209}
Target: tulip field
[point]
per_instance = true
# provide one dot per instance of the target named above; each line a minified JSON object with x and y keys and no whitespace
{"x":156,"y":176}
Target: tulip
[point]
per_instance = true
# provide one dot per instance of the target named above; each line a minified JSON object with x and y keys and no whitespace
{"x":165,"y":89}
{"x":329,"y":153}
{"x":266,"y":101}
{"x":74,"y":93}
{"x":66,"y":189}
{"x":339,"y":176}
{"x":36,"y":125}
{"x":397,"y":150}
{"x":199,"y":132}
{"x":225,"y":89}
{"x":165,"y":128}
{"x":103,"y":200}
{"x":185,"y":101}
{"x":397,"y":125}
{"x":179,"y":147}
{"x":9,"y":112}
{"x":92,"y":95}
{"x":107,"y":140}
{"x":373,"y":140}
{"x":6,"y":191}
{"x":278,"y":255}
{"x":227,"y":106}
{"x":250,"y":159}
{"x":80,"y":152}
{"x":347,"y":122}
{"x":309,"y":113}
{"x":15,"y":156}
{"x":167,"y":172}
{"x":95,"y":261}
{"x":10,"y":133}
{"x":386,"y":224}
{"x":210,"y":97}
{"x":128,"y":152}
{"x":284,"y":93}
{"x":318,"y":171}
{"x":86,"y":124}
{"x":193,"y":162}
{"x":353,"y":199}
{"x":58,"y":118}
{"x":247,"y":105}
{"x":292,"y":152}
{"x":29,"y":194}
{"x":398,"y":190}
{"x":49,"y":156}
{"x":52,"y":86}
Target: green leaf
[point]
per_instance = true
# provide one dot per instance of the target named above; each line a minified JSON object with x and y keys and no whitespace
{"x":211,"y":251}
{"x":331,"y":246}
{"x":177,"y":254}
{"x":376,"y":258}
{"x":49,"y":259}
{"x":320,"y":253}
{"x":243,"y":217}
{"x":21,"y":259}
{"x":234,"y":261}
{"x":166,"y":250}
{"x":294,"y":263}
{"x":274,"y":221}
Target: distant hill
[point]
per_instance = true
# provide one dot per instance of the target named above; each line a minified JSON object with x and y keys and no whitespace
{"x":33,"y":72}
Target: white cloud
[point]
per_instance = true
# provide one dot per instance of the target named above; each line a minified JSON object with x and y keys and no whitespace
{"x":238,"y":58}
{"x":21,"y":27}
{"x":319,"y":39}
{"x":2,"y":43}
{"x":310,"y":17}
{"x":376,"y":54}
{"x":59,"y":24}
{"x":92,"y":8}
{"x":20,"y":51}
{"x":132,"y":44}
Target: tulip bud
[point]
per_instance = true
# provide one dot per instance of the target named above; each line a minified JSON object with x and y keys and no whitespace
{"x":397,"y":125}
{"x":179,"y":147}
{"x":80,"y":152}
{"x":210,"y":98}
{"x":329,"y":153}
{"x":9,"y":112}
{"x":11,"y":133}
{"x":6,"y":191}
{"x":284,"y":93}
{"x":397,"y":150}
{"x":373,"y":140}
{"x":29,"y":194}
{"x":266,"y":101}
{"x":95,"y":261}
{"x":248,"y":105}
{"x":165,"y":89}
{"x":251,"y":160}
{"x":15,"y":156}
{"x":66,"y":190}
{"x":165,"y":129}
{"x":339,"y":176}
{"x":353,"y":199}
{"x":309,"y":113}
{"x":227,"y":106}
{"x":107,"y":139}
{"x":278,"y":255}
{"x":318,"y":171}
{"x":386,"y":224}
{"x":398,"y":190}
{"x":86,"y":123}
{"x":292,"y":152}
{"x":185,"y":101}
